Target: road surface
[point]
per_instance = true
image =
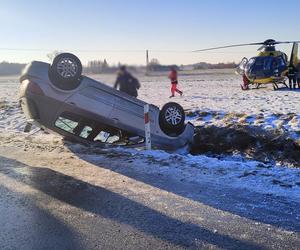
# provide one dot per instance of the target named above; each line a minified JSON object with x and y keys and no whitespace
{"x":52,"y":198}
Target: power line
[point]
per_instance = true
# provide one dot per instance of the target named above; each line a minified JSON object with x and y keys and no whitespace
{"x":75,"y":50}
{"x":82,"y":50}
{"x":123,"y":51}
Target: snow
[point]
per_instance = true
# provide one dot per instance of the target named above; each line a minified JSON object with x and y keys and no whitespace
{"x":230,"y":171}
{"x":210,"y":98}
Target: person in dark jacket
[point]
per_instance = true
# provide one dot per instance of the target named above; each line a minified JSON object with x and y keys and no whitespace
{"x":292,"y":75}
{"x":298,"y":75}
{"x":127,"y":83}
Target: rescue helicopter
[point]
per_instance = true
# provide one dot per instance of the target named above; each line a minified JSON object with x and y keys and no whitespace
{"x":270,"y":66}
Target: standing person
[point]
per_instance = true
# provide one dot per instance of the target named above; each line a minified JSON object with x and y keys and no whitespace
{"x":298,"y":74}
{"x":174,"y":82}
{"x":246,"y":83}
{"x":127,"y":83}
{"x":292,"y":75}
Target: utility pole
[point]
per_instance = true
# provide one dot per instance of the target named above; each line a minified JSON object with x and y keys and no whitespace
{"x":147,"y":62}
{"x":147,"y":127}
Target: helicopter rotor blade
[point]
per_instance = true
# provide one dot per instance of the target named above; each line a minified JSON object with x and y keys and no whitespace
{"x":287,"y":42}
{"x":261,"y":47}
{"x":269,"y":42}
{"x":228,"y":46}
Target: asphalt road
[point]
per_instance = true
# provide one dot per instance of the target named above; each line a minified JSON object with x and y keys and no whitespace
{"x":59,"y":201}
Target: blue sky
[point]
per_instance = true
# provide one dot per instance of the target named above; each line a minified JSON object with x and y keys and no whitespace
{"x":119,"y":28}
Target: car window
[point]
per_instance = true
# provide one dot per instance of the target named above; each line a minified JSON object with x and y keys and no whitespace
{"x":102,"y":136}
{"x":66,"y":124}
{"x":106,"y":137}
{"x":85,"y":132}
{"x":113,"y":139}
{"x":87,"y":129}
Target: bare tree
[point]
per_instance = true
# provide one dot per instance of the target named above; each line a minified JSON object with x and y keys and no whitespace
{"x":154,"y":61}
{"x":53,"y":54}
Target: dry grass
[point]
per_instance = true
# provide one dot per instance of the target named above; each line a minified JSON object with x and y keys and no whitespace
{"x":3,"y":105}
{"x":254,"y":142}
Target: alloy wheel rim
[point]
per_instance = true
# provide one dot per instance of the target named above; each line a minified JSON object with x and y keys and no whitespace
{"x":67,"y":67}
{"x":173,"y":116}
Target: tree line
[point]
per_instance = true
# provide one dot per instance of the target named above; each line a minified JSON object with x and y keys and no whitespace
{"x":7,"y":69}
{"x":204,"y":65}
{"x":102,"y":66}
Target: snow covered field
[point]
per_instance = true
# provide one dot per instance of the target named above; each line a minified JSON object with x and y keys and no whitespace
{"x":210,"y":98}
{"x":214,"y":97}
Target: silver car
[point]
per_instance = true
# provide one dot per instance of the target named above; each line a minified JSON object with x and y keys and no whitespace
{"x":58,"y":98}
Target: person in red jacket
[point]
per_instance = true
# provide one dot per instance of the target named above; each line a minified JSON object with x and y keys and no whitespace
{"x":174,"y":82}
{"x":246,"y":82}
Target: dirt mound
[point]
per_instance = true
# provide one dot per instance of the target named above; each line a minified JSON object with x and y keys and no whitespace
{"x":252,"y":142}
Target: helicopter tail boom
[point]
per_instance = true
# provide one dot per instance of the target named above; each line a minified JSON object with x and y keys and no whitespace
{"x":294,"y":56}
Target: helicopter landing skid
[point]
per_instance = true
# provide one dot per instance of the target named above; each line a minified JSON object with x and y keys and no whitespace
{"x":276,"y":83}
{"x":243,"y":87}
{"x":257,"y":85}
{"x":247,"y":87}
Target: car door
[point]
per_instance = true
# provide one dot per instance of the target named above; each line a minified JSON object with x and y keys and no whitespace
{"x":91,"y":99}
{"x":128,"y":112}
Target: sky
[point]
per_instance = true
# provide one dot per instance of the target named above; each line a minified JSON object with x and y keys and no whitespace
{"x":121,"y":30}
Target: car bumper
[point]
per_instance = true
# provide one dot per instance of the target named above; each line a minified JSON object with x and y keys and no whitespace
{"x":172,"y":143}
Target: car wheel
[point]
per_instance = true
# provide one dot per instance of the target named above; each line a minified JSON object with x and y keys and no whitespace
{"x":171,"y":119}
{"x":65,"y":71}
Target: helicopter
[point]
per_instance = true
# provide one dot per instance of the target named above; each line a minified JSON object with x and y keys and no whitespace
{"x":270,"y":66}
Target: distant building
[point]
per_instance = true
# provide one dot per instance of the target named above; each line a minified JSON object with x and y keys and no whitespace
{"x":155,"y":66}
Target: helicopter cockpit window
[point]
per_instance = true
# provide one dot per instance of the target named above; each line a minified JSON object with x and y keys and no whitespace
{"x":261,"y":66}
{"x":263,"y":63}
{"x":280,"y":61}
{"x":250,"y":64}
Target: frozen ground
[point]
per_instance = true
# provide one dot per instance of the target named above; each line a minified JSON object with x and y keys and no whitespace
{"x":210,"y":98}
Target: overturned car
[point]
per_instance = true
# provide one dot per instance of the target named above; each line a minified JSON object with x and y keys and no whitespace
{"x":59,"y":98}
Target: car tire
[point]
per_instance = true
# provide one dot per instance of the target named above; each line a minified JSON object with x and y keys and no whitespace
{"x":65,"y":71}
{"x":171,"y":119}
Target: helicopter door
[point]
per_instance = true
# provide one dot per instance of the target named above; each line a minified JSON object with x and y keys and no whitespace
{"x":241,"y":67}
